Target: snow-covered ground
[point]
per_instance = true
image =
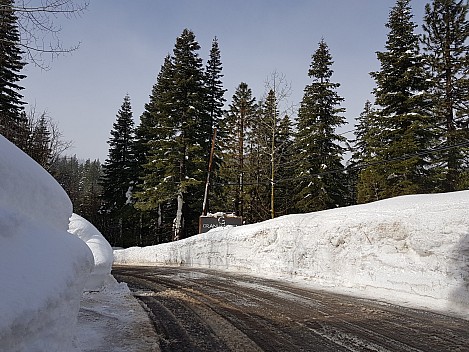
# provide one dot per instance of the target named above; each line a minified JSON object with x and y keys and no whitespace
{"x":102,"y":252}
{"x":112,"y":320}
{"x":410,"y":250}
{"x":43,"y":268}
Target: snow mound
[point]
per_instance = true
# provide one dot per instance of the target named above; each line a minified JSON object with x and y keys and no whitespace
{"x":102,"y":251}
{"x":43,"y":268}
{"x":113,"y":320}
{"x":411,"y":250}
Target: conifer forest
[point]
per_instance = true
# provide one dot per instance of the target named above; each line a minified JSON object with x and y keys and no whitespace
{"x":268,"y":159}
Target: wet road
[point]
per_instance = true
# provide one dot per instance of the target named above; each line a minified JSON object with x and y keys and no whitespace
{"x":204,"y":310}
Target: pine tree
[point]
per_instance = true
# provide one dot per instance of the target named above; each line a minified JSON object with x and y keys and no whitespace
{"x":363,"y":151}
{"x":285,"y":167}
{"x":269,"y":127}
{"x":320,"y":181}
{"x":91,"y":190}
{"x":152,"y":137}
{"x":81,"y":181}
{"x":176,"y":165}
{"x":401,"y":126}
{"x":39,"y":145}
{"x":67,"y":171}
{"x":214,"y":86}
{"x":446,"y":48}
{"x":215,"y":103}
{"x":119,"y":173}
{"x":262,"y":158}
{"x":12,"y":119}
{"x":238,"y":123}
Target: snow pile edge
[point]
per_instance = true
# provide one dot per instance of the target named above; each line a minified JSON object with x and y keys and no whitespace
{"x":410,"y":249}
{"x":43,"y":268}
{"x":99,"y":246}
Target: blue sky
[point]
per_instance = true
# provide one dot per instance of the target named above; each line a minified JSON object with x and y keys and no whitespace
{"x":124,"y":42}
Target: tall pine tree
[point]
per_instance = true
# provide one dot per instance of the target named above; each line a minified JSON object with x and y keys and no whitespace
{"x":284,"y":167}
{"x":176,"y":165}
{"x":365,"y":145}
{"x":12,"y":119}
{"x":402,"y":126}
{"x":237,"y":125}
{"x":119,"y":174}
{"x":446,"y":30}
{"x":153,"y":135}
{"x":320,"y":180}
{"x":215,"y":103}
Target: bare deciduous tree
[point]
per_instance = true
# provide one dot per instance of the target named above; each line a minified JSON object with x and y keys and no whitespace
{"x":276,"y":100}
{"x":56,"y":144}
{"x":39,"y":25}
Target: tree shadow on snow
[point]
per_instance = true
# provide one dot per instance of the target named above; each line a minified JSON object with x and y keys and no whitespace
{"x":459,"y":299}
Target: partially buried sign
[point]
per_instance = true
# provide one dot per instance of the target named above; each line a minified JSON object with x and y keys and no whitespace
{"x":208,"y":222}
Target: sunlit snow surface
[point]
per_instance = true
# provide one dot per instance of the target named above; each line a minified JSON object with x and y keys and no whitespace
{"x":412,"y":250}
{"x":43,"y":268}
{"x":101,"y":249}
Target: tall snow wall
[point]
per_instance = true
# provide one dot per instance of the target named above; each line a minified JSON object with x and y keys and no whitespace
{"x":43,"y":268}
{"x":410,"y":249}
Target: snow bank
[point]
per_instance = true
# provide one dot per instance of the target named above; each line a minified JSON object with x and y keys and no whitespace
{"x":412,"y":250}
{"x":102,"y":251}
{"x":43,"y":268}
{"x":113,"y":320}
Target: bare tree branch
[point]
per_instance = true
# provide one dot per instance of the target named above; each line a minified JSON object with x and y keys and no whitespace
{"x":39,"y":28}
{"x":57,"y":145}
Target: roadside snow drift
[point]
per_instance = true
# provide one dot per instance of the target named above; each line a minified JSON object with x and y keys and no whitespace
{"x":102,"y":252}
{"x":43,"y":268}
{"x":410,"y":250}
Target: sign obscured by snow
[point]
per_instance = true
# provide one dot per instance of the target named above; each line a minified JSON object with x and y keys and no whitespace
{"x":211,"y":221}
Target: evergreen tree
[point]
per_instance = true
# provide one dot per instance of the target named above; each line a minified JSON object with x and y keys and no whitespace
{"x":12,"y":118}
{"x":320,"y":181}
{"x":214,"y":86}
{"x":215,"y":102}
{"x":262,"y":139}
{"x":152,"y":137}
{"x":176,"y":167}
{"x":401,"y":127}
{"x":81,"y":181}
{"x":192,"y":134}
{"x":363,"y":151}
{"x":284,"y":172}
{"x":90,"y":193}
{"x":119,"y":172}
{"x":269,"y":128}
{"x":446,"y":31}
{"x":39,"y":145}
{"x":67,"y":171}
{"x":238,"y":123}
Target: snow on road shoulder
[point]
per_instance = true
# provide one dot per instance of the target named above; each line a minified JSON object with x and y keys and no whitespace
{"x":112,"y":320}
{"x":411,"y":250}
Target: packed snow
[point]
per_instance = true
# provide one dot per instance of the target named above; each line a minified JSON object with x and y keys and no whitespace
{"x":101,"y":249}
{"x":43,"y":268}
{"x":410,"y":250}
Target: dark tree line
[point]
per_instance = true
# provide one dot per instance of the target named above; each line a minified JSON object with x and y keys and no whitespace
{"x":269,"y":160}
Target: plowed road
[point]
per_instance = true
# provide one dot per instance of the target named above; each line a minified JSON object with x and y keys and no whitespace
{"x":202,"y":310}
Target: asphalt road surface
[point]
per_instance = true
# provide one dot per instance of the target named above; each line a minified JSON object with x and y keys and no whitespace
{"x":204,"y":310}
